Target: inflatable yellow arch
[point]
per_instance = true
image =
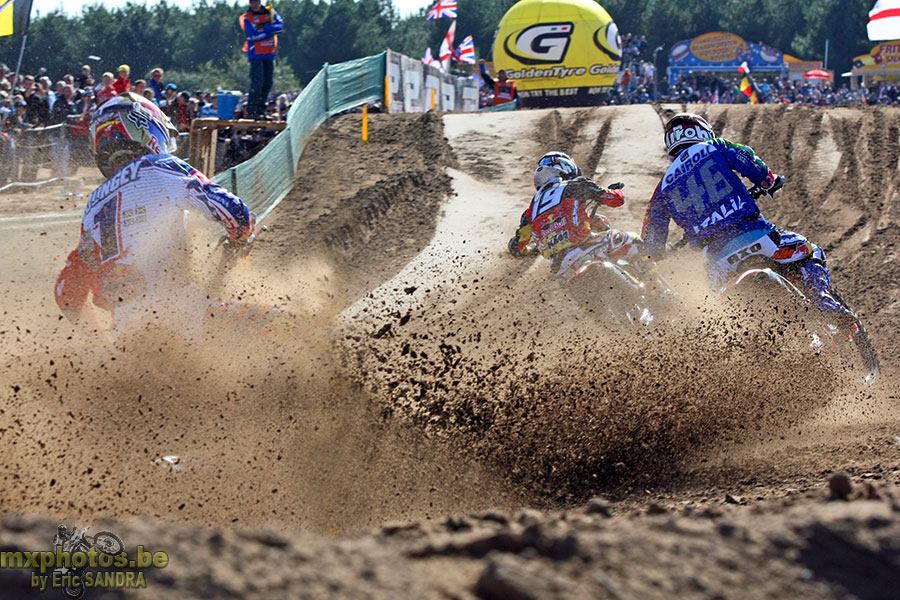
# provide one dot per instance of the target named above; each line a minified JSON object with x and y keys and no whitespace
{"x":558,"y":51}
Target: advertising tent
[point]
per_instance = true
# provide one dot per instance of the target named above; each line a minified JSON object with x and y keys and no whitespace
{"x":720,"y":52}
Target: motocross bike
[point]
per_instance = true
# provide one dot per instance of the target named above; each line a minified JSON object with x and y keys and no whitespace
{"x":256,"y":319}
{"x":761,"y":280}
{"x":105,"y":542}
{"x":225,"y":323}
{"x":618,"y":291}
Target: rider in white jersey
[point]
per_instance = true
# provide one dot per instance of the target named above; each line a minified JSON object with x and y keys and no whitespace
{"x":132,"y":253}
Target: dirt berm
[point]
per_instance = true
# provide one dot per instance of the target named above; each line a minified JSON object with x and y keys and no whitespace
{"x":431,"y":374}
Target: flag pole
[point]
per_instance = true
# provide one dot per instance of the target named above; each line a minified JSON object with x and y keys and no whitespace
{"x":19,"y":62}
{"x":22,"y":49}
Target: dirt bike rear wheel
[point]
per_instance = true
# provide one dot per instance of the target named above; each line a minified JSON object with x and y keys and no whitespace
{"x":74,"y":591}
{"x":108,"y":543}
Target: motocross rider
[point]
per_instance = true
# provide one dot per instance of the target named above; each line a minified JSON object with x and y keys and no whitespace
{"x":132,"y":251}
{"x":702,"y":194}
{"x":557,"y":225}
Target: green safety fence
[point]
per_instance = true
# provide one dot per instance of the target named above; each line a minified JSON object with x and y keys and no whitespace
{"x":264,"y":180}
{"x":500,"y":107}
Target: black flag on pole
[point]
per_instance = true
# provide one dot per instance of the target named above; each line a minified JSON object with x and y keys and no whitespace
{"x":14,"y":16}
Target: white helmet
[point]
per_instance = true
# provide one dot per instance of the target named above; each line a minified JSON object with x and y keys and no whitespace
{"x":125,"y":128}
{"x":686,"y":129}
{"x":554,"y":165}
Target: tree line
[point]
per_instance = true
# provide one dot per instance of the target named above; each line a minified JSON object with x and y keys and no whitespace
{"x":200,"y":43}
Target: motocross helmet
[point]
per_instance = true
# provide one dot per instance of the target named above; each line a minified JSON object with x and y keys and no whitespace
{"x":126,"y":127}
{"x":555,"y":165}
{"x":685,"y":129}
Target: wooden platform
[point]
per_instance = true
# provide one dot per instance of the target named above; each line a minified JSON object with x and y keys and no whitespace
{"x":204,"y":136}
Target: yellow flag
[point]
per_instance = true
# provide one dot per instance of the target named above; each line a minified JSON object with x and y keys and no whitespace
{"x":6,"y":17}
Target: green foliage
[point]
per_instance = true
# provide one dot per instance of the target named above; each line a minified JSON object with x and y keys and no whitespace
{"x":231,"y":74}
{"x":199,"y":44}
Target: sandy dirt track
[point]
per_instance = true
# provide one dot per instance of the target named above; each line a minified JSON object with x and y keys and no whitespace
{"x":432,"y":374}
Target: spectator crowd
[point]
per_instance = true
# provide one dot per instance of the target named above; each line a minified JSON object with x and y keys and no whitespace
{"x":38,"y":113}
{"x":637,"y":84}
{"x":48,"y":120}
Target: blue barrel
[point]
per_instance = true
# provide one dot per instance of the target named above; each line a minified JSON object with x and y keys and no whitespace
{"x":228,"y":103}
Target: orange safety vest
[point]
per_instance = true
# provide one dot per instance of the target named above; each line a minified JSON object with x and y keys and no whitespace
{"x":504,"y":92}
{"x":262,"y":47}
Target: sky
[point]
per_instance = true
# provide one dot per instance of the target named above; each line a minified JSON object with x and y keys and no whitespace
{"x":73,"y":7}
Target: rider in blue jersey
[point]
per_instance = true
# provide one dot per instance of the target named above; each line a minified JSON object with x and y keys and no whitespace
{"x":702,"y":193}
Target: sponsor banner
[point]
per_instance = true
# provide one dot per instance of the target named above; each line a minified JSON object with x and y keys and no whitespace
{"x":796,"y":64}
{"x":563,"y":92}
{"x":410,"y":84}
{"x":558,"y":45}
{"x":395,"y":65}
{"x":882,"y":56}
{"x":721,"y":49}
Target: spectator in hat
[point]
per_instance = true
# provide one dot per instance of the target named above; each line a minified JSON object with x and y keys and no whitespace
{"x":193,"y":108}
{"x":156,"y":84}
{"x":84,"y":101}
{"x":17,"y":120}
{"x":169,"y":97}
{"x":123,"y":82}
{"x":261,"y":25}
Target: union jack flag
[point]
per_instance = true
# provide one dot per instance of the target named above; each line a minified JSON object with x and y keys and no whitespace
{"x":467,"y":51}
{"x":430,"y":60}
{"x":443,"y":8}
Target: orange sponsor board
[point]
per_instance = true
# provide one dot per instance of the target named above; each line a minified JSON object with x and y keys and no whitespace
{"x":718,"y":47}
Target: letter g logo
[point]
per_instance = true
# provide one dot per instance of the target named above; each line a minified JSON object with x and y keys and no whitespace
{"x":542,"y":44}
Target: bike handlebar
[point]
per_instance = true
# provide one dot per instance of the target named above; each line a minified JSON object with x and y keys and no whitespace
{"x":240,"y":248}
{"x":756,"y":191}
{"x":613,"y":186}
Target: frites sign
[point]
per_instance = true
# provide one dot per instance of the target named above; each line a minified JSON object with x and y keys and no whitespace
{"x":883,"y":55}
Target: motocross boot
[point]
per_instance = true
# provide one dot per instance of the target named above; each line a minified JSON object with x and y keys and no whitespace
{"x":814,"y":280}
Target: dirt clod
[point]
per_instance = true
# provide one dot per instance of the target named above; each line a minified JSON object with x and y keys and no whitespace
{"x":839,"y":486}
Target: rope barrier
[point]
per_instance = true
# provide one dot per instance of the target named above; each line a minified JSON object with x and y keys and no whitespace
{"x":36,"y":183}
{"x":24,"y":151}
